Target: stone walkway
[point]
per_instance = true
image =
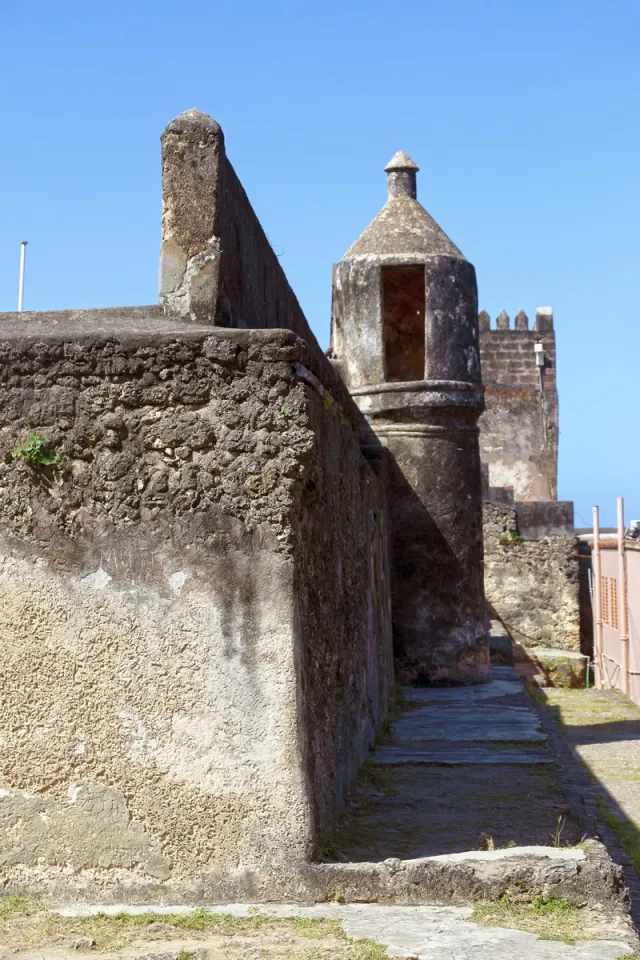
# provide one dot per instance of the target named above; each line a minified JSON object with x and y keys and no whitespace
{"x":445,"y":933}
{"x":464,"y":768}
{"x":419,"y":933}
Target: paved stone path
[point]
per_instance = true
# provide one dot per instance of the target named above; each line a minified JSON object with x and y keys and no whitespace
{"x":603,"y":728}
{"x":421,"y":932}
{"x":445,"y":933}
{"x":465,"y":767}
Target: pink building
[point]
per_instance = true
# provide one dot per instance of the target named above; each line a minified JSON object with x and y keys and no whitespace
{"x":616,"y":597}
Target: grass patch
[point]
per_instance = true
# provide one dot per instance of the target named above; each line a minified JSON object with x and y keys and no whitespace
{"x":222,"y":924}
{"x":508,"y":538}
{"x":627,"y":832}
{"x":14,"y":904}
{"x":550,"y":918}
{"x":23,"y":925}
{"x":369,"y":950}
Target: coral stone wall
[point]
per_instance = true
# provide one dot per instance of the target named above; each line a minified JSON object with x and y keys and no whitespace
{"x":531,"y":586}
{"x":195,"y":636}
{"x":343,"y":597}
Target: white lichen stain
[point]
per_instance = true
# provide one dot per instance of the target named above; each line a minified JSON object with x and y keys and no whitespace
{"x":177,"y":581}
{"x":98,"y":580}
{"x":73,"y":793}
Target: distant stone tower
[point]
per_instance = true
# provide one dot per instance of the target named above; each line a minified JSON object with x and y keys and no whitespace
{"x":405,"y":339}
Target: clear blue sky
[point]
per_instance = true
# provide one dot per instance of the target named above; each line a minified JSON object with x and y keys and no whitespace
{"x":524,"y":119}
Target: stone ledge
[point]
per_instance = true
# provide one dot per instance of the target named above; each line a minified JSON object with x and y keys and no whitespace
{"x":122,"y":323}
{"x":582,"y":876}
{"x":552,"y":667}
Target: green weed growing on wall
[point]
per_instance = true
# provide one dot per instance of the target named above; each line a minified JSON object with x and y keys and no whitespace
{"x":37,"y":451}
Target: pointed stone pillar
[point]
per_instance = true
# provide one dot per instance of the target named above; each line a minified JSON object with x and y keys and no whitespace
{"x":192,"y":155}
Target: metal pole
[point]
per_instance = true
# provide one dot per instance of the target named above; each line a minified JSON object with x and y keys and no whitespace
{"x":622,"y":599}
{"x":597,"y":595}
{"x":23,"y":253}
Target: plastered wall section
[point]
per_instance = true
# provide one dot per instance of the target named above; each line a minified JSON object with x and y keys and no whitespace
{"x":163,"y":649}
{"x":531,"y":586}
{"x":519,"y":428}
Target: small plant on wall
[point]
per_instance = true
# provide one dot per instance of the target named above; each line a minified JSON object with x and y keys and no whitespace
{"x":37,"y":451}
{"x":508,"y":538}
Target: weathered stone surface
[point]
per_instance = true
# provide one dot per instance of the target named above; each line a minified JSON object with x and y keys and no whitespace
{"x":545,"y":518}
{"x":446,"y":755}
{"x":194,"y":659}
{"x":466,"y":878}
{"x":531,"y":586}
{"x":520,"y":874}
{"x":519,"y":427}
{"x":559,"y":668}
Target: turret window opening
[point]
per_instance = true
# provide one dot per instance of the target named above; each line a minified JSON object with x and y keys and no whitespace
{"x":403,"y":308}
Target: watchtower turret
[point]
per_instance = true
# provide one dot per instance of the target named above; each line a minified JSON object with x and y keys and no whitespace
{"x":405,"y":339}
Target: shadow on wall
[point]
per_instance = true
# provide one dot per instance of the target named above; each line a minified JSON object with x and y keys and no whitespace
{"x":584,"y":599}
{"x":428,"y":600}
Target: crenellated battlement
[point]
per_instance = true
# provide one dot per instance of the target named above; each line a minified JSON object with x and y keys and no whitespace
{"x":543,"y":322}
{"x":510,"y":355}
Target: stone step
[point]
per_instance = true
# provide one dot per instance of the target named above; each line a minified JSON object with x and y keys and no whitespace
{"x":431,"y":753}
{"x":459,"y":722}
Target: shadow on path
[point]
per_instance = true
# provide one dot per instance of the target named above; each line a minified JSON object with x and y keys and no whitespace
{"x":596,"y":734}
{"x":464,"y":768}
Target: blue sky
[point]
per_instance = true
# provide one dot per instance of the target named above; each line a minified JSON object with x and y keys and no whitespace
{"x":524,"y":119}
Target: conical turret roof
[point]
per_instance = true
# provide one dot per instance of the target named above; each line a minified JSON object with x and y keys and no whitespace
{"x":403,"y":228}
{"x":401,"y":161}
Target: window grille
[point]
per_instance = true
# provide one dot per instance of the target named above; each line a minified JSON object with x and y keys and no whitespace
{"x":604,"y":599}
{"x":614,"y":603}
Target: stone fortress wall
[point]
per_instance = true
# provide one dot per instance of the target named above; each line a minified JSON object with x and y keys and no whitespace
{"x":519,"y":428}
{"x":194,"y":606}
{"x":531,"y":556}
{"x":531,"y":582}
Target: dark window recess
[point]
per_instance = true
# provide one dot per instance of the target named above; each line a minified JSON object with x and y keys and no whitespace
{"x":403,"y":322}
